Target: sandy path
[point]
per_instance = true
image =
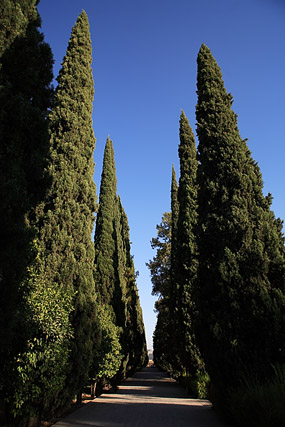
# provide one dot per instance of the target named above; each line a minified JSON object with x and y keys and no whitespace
{"x":148,"y":399}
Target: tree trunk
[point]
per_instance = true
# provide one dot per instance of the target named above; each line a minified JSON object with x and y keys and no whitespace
{"x":79,"y":398}
{"x":93,"y":388}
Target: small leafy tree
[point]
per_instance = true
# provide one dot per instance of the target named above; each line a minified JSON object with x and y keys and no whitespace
{"x":160,"y":271}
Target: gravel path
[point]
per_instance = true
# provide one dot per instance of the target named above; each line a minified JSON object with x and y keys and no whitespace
{"x":148,"y":399}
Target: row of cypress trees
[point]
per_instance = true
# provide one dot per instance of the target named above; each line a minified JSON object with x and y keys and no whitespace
{"x":115,"y":272}
{"x":69,"y":311}
{"x":219,"y":269}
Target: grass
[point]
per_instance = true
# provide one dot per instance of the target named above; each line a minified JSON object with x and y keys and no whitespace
{"x":260,"y":403}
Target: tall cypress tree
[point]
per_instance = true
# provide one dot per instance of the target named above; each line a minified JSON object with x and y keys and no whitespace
{"x":67,"y":217}
{"x":134,"y":328}
{"x":109,"y":256}
{"x":120,"y":289}
{"x":186,"y":262}
{"x":104,"y":241}
{"x":237,"y":303}
{"x":119,"y":302}
{"x":114,"y":271}
{"x":174,"y":215}
{"x":25,"y":97}
{"x":174,"y":299}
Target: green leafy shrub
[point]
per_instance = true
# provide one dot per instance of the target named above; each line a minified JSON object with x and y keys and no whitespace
{"x":198,"y":384}
{"x":39,"y":371}
{"x":108,"y":357}
{"x":202,"y":381}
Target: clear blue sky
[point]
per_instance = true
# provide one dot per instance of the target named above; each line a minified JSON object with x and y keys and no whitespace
{"x":144,"y":63}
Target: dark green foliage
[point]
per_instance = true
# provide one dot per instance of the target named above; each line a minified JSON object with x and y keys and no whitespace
{"x":25,"y":97}
{"x":174,"y":206}
{"x":109,"y":280}
{"x":241,"y":270}
{"x":258,"y":402}
{"x":186,"y":256}
{"x":174,"y":269}
{"x":68,"y":215}
{"x":114,"y":269}
{"x":25,"y":76}
{"x":174,"y":359}
{"x":161,"y":339}
{"x":160,"y":271}
{"x":37,"y":374}
{"x":16,"y":15}
{"x":160,"y":265}
{"x":104,"y":239}
{"x":134,"y":329}
{"x":174,"y":218}
{"x":119,"y":302}
{"x":58,"y":291}
{"x":107,"y":359}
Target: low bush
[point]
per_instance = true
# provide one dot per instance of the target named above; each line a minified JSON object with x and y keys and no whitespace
{"x":198,"y":385}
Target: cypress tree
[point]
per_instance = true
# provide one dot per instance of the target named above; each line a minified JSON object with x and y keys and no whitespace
{"x":174,"y":299}
{"x":186,"y":262}
{"x":239,"y":243}
{"x":109,"y":256}
{"x":104,"y":238}
{"x":120,"y":289}
{"x":134,"y":328}
{"x":161,"y":350}
{"x":114,"y":270}
{"x":119,"y":302}
{"x":16,"y":15}
{"x":174,"y":216}
{"x":67,"y":216}
{"x":25,"y":97}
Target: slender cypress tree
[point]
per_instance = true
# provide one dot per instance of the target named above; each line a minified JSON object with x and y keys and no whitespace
{"x":109,"y":255}
{"x":237,"y":303}
{"x":104,"y":237}
{"x":186,"y":262}
{"x":67,"y":217}
{"x":114,"y":271}
{"x":25,"y":97}
{"x":134,"y":328}
{"x":174,"y":215}
{"x":120,"y":289}
{"x":119,"y":301}
{"x":174,"y":300}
